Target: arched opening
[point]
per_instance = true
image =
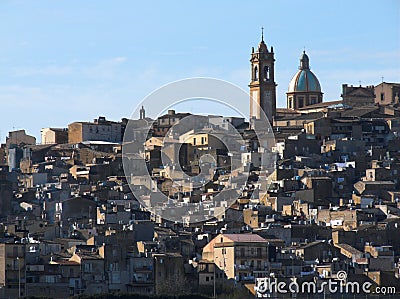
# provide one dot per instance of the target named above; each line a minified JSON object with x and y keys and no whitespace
{"x":255,"y":73}
{"x":266,"y":72}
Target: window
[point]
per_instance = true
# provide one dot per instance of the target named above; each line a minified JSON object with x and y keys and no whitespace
{"x":15,"y":265}
{"x":313,"y":100}
{"x":382,"y":96}
{"x":255,"y":73}
{"x":194,"y":141}
{"x":266,"y":73}
{"x":88,"y":268}
{"x":50,"y":279}
{"x":258,"y":252}
{"x":301,"y":102}
{"x":114,"y":267}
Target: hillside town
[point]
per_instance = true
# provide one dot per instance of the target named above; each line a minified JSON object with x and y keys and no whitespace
{"x":75,"y":218}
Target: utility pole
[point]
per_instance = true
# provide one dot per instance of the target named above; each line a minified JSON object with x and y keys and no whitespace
{"x":215,"y":294}
{"x":19,"y":277}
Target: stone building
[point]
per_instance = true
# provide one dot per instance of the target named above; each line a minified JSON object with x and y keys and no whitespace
{"x":169,"y":273}
{"x":54,"y":135}
{"x":240,"y":256}
{"x":165,"y":122}
{"x":387,"y":93}
{"x":6,"y":193}
{"x":12,"y":270}
{"x":18,"y":138}
{"x":15,"y":141}
{"x":358,"y":96}
{"x":98,"y":130}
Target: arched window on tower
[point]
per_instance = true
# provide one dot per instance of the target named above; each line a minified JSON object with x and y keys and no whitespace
{"x":255,"y":73}
{"x":266,"y":73}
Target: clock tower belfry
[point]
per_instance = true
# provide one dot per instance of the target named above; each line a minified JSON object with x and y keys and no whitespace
{"x":262,"y":84}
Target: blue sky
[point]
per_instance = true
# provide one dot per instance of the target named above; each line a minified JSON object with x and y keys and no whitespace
{"x":65,"y":61}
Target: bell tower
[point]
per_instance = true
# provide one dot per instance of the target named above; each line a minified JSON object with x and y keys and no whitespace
{"x":262,"y":84}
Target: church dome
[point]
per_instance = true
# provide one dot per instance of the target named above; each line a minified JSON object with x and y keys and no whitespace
{"x":304,"y":80}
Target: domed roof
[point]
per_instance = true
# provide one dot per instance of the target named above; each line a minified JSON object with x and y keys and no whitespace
{"x":304,"y":79}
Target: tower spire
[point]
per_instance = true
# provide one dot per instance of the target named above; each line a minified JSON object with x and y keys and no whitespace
{"x":262,"y":34}
{"x":262,"y":84}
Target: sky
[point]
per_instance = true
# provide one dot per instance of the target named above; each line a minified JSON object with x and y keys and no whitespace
{"x":65,"y":61}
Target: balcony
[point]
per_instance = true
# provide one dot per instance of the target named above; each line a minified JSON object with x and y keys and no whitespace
{"x":142,"y":278}
{"x":249,"y":255}
{"x":244,"y":278}
{"x":243,"y":267}
{"x":143,"y":269}
{"x":13,"y":256}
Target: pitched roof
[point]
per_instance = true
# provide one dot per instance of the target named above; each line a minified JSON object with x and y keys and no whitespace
{"x":320,"y":105}
{"x":244,"y":238}
{"x":359,"y":111}
{"x":348,"y":248}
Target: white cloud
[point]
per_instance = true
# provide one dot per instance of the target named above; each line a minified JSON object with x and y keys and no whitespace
{"x":49,"y":70}
{"x":104,"y":69}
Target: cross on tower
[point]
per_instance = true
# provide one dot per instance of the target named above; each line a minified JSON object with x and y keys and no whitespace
{"x":262,"y":34}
